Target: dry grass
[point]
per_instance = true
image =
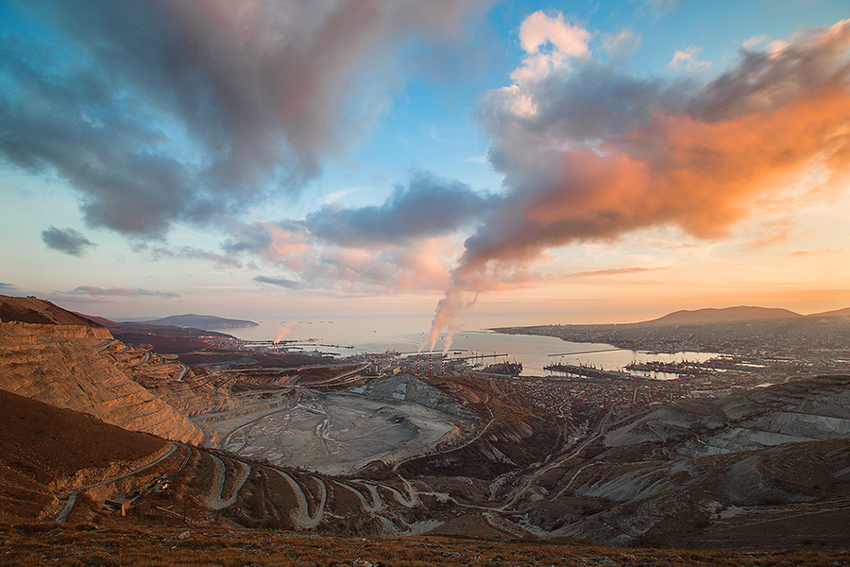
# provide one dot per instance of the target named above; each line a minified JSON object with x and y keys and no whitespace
{"x":48,"y":544}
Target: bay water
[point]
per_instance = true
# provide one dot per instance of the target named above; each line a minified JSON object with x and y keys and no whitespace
{"x":356,"y":335}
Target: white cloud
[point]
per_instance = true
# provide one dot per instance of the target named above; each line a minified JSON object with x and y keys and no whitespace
{"x":337,"y":195}
{"x":620,"y":46}
{"x":551,"y":43}
{"x":755,"y":41}
{"x":538,"y":29}
{"x":687,"y":60}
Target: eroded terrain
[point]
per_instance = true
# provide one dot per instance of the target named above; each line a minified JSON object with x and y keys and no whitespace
{"x":328,"y":448}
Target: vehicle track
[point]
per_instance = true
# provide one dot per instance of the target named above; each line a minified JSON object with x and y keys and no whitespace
{"x":301,"y":519}
{"x":215,"y":500}
{"x":72,"y":497}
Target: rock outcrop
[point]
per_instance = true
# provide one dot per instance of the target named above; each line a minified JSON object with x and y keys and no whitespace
{"x":73,"y":367}
{"x":808,"y":410}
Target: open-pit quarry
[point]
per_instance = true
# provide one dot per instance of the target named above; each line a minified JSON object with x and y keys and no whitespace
{"x":389,"y":419}
{"x":259,"y":440}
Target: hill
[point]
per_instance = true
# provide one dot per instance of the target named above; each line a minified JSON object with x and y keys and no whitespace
{"x":451,"y":456}
{"x":33,"y":310}
{"x":837,"y":313}
{"x":202,"y":322}
{"x":162,"y":339}
{"x":43,"y":448}
{"x":727,"y":315}
{"x":82,"y":367}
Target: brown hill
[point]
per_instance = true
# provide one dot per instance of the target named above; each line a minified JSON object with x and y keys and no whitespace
{"x":837,"y":313}
{"x":43,"y":447}
{"x":206,"y":322}
{"x":33,"y":310}
{"x":161,"y":338}
{"x":85,"y":369}
{"x":727,"y":315}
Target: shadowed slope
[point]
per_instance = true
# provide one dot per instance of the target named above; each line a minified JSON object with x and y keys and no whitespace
{"x":43,"y":448}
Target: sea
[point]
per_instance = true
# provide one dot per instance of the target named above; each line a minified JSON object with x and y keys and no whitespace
{"x":357,"y":335}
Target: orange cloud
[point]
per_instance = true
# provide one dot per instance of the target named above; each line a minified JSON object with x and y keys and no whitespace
{"x":703,"y":177}
{"x":702,"y":165}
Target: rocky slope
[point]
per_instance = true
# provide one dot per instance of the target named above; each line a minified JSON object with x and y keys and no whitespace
{"x":814,"y":409}
{"x":74,"y":367}
{"x":771,"y":465}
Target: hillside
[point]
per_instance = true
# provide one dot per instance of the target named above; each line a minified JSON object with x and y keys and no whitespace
{"x":83,"y":368}
{"x":207,"y":322}
{"x":44,"y":448}
{"x":161,"y":338}
{"x":837,"y":313}
{"x":178,"y":543}
{"x":33,"y":310}
{"x":334,"y":450}
{"x":726,"y":315}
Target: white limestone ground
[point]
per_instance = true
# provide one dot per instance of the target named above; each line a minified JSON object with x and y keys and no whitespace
{"x":339,"y":433}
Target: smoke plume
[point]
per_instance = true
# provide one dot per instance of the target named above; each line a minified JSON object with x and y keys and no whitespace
{"x":283,"y":331}
{"x":593,"y":160}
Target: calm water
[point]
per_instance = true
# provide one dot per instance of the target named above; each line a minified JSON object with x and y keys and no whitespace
{"x":380,"y":334}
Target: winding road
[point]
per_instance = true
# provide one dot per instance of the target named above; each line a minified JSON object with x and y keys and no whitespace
{"x":72,"y":497}
{"x":302,"y":519}
{"x":216,"y":500}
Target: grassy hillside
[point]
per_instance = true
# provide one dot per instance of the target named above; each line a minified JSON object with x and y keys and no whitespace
{"x":41,"y":445}
{"x":38,"y":545}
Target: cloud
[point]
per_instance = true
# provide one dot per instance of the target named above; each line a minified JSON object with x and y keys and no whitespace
{"x":606,"y":153}
{"x":186,"y":110}
{"x":805,"y":253}
{"x":190,"y":252}
{"x":538,"y":29}
{"x":362,"y":270}
{"x":550,"y":44}
{"x":7,"y":287}
{"x":286,"y":243}
{"x":687,"y":60}
{"x":68,"y":240}
{"x":613,"y":272}
{"x":117,"y":291}
{"x":428,"y":206}
{"x":754,"y":41}
{"x":620,"y":46}
{"x":279,"y":282}
{"x":337,"y":195}
{"x":405,"y":244}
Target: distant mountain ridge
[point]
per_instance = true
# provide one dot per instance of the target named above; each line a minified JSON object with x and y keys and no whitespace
{"x":837,"y":313}
{"x":741,"y":313}
{"x":726,"y":315}
{"x":165,"y":339}
{"x":205,"y":322}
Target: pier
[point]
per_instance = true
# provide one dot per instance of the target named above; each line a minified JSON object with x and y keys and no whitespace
{"x":587,"y":371}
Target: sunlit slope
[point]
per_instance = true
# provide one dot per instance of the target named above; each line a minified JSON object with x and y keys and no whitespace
{"x":32,"y":310}
{"x":82,"y":367}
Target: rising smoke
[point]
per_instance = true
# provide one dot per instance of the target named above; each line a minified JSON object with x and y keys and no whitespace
{"x":696,"y":158}
{"x":283,"y":331}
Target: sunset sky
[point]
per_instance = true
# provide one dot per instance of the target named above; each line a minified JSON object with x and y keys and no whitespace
{"x":529,"y":162}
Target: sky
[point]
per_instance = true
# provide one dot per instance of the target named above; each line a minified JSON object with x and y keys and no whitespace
{"x":442,"y":162}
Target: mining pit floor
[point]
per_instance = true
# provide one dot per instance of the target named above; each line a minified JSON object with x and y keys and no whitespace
{"x":335,"y":433}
